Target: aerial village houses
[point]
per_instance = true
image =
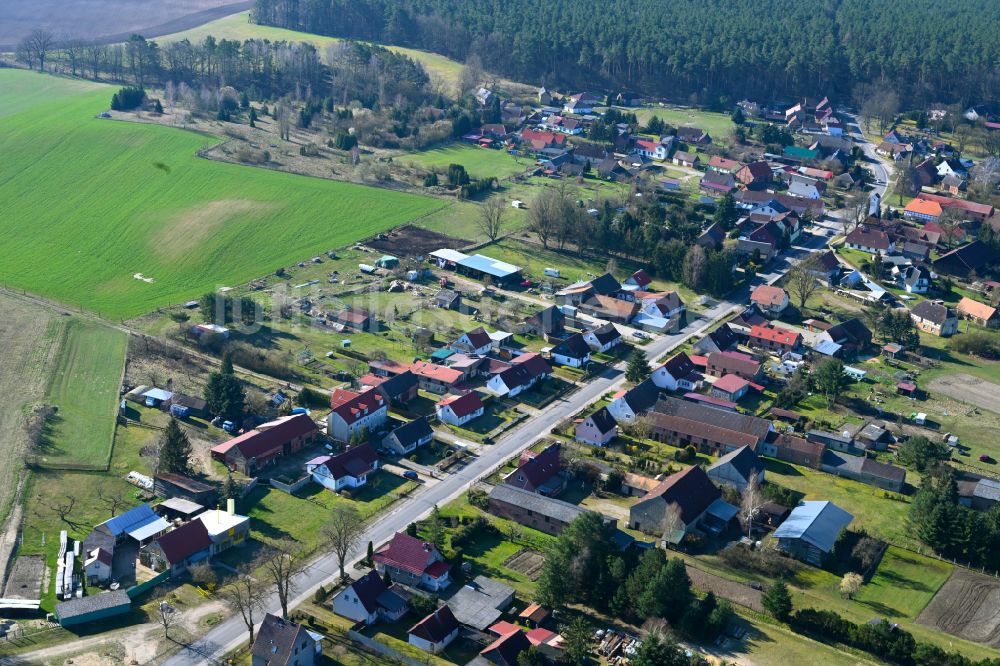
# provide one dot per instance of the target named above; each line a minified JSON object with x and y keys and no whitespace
{"x":626,"y":406}
{"x":280,"y":642}
{"x":406,"y":438}
{"x":677,"y":373}
{"x":573,"y":352}
{"x":435,"y":632}
{"x":354,"y":413}
{"x":597,"y":429}
{"x":539,"y":472}
{"x":695,"y":498}
{"x":977,"y":312}
{"x":603,"y":338}
{"x":256,"y":449}
{"x":934,"y":318}
{"x":457,"y":410}
{"x":737,"y":468}
{"x":775,"y":339}
{"x":720,"y":364}
{"x":546,"y":514}
{"x":349,"y":469}
{"x":369,"y":600}
{"x":772,"y":301}
{"x":711,"y":430}
{"x":413,"y":562}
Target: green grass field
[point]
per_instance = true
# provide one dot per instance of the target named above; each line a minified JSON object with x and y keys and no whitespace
{"x":479,"y":162}
{"x":718,"y":125}
{"x":238,"y":27}
{"x":84,"y":387}
{"x":91,"y":204}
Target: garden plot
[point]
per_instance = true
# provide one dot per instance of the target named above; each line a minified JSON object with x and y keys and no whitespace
{"x":526,"y":561}
{"x":968,"y":606}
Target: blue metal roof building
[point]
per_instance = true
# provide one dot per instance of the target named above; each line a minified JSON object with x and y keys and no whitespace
{"x":140,"y":523}
{"x":811,"y":530}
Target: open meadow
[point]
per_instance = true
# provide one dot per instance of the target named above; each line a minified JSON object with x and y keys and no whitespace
{"x":84,"y":386}
{"x":479,"y":162}
{"x":123,"y":218}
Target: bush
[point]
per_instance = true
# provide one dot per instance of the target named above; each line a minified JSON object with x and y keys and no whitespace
{"x":686,"y":455}
{"x":127,"y":98}
{"x":344,"y":141}
{"x":977,"y":343}
{"x":764,"y":562}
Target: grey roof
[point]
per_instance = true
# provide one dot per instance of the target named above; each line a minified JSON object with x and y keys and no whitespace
{"x":480,"y":604}
{"x":642,"y":397}
{"x":743,"y":460}
{"x":817,"y":523}
{"x":556,"y":509}
{"x":603,"y":420}
{"x":276,"y":639}
{"x":862,"y":465}
{"x":181,"y":505}
{"x":746,"y":423}
{"x":490,"y":266}
{"x":413,"y":431}
{"x":933,"y":312}
{"x":913,"y":274}
{"x":89,"y":604}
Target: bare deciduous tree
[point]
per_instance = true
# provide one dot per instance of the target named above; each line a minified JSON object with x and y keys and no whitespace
{"x":166,"y":615}
{"x":491,"y":217}
{"x":543,"y":215}
{"x":471,"y":75}
{"x":281,"y":568}
{"x":114,"y":499}
{"x":245,"y":596}
{"x":802,"y":279}
{"x":35,"y":48}
{"x":673,"y":523}
{"x":751,"y":499}
{"x":343,"y":532}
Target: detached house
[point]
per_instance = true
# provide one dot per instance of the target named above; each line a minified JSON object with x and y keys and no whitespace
{"x":677,"y":373}
{"x":539,"y":472}
{"x":720,"y":364}
{"x":435,"y":632}
{"x":772,"y":301}
{"x":597,"y":429}
{"x":690,"y":491}
{"x":283,"y":643}
{"x":871,"y":241}
{"x":436,"y":378}
{"x":459,"y":410}
{"x":934,"y":318}
{"x":525,"y":371}
{"x":176,"y":550}
{"x":774,"y":339}
{"x":369,"y":600}
{"x":916,"y":279}
{"x":718,"y":340}
{"x":736,"y":468}
{"x":413,"y":562}
{"x":356,"y":412}
{"x":349,"y":469}
{"x":549,"y":322}
{"x":408,"y":437}
{"x":652,"y":149}
{"x":603,"y":338}
{"x":476,"y":341}
{"x":755,"y":174}
{"x":573,"y":352}
{"x":627,"y":405}
{"x":980,"y":313}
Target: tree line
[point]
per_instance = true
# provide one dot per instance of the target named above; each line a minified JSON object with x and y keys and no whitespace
{"x":926,"y":49}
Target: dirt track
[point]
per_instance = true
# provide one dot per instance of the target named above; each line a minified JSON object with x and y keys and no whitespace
{"x":967,"y":606}
{"x":968,"y":389}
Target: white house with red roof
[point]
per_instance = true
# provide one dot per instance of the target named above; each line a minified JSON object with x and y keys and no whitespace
{"x":638,"y":281}
{"x":349,"y":469}
{"x":97,"y":566}
{"x":476,"y":341}
{"x":457,"y":410}
{"x":652,"y":149}
{"x":354,"y":412}
{"x":413,"y":562}
{"x":524,"y":372}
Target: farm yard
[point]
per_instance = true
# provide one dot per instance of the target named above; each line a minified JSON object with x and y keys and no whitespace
{"x":118,"y":201}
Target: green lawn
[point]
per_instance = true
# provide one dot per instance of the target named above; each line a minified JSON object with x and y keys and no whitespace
{"x":277,"y":515}
{"x":479,"y":162}
{"x":718,"y":125}
{"x":238,"y":27}
{"x":904,"y":584}
{"x":883,"y":517}
{"x":84,"y":387}
{"x":90,"y":205}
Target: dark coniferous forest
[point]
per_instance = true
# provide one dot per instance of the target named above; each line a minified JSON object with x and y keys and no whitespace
{"x":928,"y":50}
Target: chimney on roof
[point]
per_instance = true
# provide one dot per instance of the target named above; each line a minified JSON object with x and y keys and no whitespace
{"x":230,"y":506}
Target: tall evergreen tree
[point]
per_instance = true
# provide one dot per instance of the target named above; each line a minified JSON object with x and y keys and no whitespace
{"x":175,"y":449}
{"x":638,"y":367}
